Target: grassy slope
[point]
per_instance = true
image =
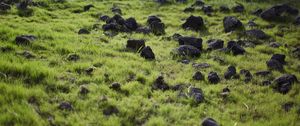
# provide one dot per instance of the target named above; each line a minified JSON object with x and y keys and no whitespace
{"x":51,"y":79}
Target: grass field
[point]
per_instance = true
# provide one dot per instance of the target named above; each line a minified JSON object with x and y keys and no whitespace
{"x":32,"y":89}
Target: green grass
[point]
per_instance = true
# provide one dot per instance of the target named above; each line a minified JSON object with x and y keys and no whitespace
{"x":50,"y":78}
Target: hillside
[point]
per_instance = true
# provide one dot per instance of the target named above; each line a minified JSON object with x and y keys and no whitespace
{"x":149,"y":62}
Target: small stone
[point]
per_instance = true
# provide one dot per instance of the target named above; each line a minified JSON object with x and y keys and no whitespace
{"x":115,"y":86}
{"x":83,"y":31}
{"x":84,"y":90}
{"x":231,"y":71}
{"x":198,"y":76}
{"x":88,"y":7}
{"x":196,"y":94}
{"x":73,"y":57}
{"x":65,"y":106}
{"x":213,"y":78}
{"x":24,"y":39}
{"x":160,"y":84}
{"x":209,"y":122}
{"x":147,"y":53}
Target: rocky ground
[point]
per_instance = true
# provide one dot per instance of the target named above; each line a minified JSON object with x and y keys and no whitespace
{"x":150,"y":62}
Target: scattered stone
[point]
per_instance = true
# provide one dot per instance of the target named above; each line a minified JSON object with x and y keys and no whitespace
{"x":224,"y":9}
{"x":198,"y":76}
{"x":201,"y":65}
{"x":235,"y":48}
{"x":209,"y":122}
{"x":181,"y":1}
{"x":115,"y":86}
{"x":24,"y":39}
{"x":89,"y":70}
{"x":283,"y":84}
{"x":193,"y":23}
{"x":83,"y":31}
{"x":275,"y":12}
{"x":238,"y":8}
{"x":110,"y":110}
{"x":135,"y":44}
{"x":213,"y":78}
{"x":256,"y":33}
{"x":157,"y":28}
{"x":84,"y":90}
{"x":104,"y":18}
{"x":152,"y":19}
{"x":189,"y":9}
{"x":144,"y":30}
{"x":214,"y":44}
{"x":88,"y":7}
{"x":274,"y":64}
{"x":73,"y":57}
{"x":251,"y":23}
{"x":231,"y":23}
{"x":196,"y":42}
{"x":160,"y":84}
{"x":65,"y":106}
{"x":187,"y":50}
{"x":207,"y":9}
{"x":257,"y":12}
{"x":275,"y":44}
{"x":287,"y":106}
{"x":131,"y":24}
{"x":279,"y":57}
{"x":263,"y":73}
{"x":147,"y":53}
{"x":197,"y":94}
{"x":231,"y":71}
{"x":4,"y":7}
{"x":247,"y":74}
{"x":162,"y":1}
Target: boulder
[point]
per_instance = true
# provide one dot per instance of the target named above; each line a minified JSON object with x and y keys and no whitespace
{"x":256,"y":33}
{"x":283,"y":84}
{"x":160,"y":84}
{"x":231,"y":71}
{"x":135,"y":44}
{"x":147,"y":53}
{"x":209,"y":122}
{"x":279,"y":57}
{"x":110,"y":27}
{"x":193,"y":23}
{"x":213,"y":78}
{"x":131,"y":24}
{"x":274,"y":65}
{"x":196,"y":42}
{"x":157,"y":28}
{"x":235,"y":48}
{"x":104,"y":18}
{"x":231,"y":23}
{"x":275,"y":12}
{"x":198,"y":76}
{"x":196,"y":94}
{"x":214,"y":44}
{"x":187,"y":50}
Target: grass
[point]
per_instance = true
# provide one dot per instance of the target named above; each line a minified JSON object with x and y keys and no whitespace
{"x":51,"y":79}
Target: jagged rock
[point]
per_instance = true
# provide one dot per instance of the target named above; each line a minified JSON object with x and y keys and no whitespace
{"x":231,"y":71}
{"x":4,"y":7}
{"x":196,"y":42}
{"x":157,"y":28}
{"x":247,"y":74}
{"x":214,"y":44}
{"x":283,"y":84}
{"x":193,"y":23}
{"x":160,"y":84}
{"x":135,"y":44}
{"x":256,"y":33}
{"x":198,"y":76}
{"x":110,"y":110}
{"x":181,"y":1}
{"x":213,"y":78}
{"x":144,"y":30}
{"x":251,"y":23}
{"x":231,"y":23}
{"x":147,"y":53}
{"x":187,"y":50}
{"x":275,"y":12}
{"x":24,"y":39}
{"x":115,"y":86}
{"x":279,"y":57}
{"x":83,"y":31}
{"x":274,"y":65}
{"x":209,"y":122}
{"x":131,"y":24}
{"x":224,"y":9}
{"x":73,"y":57}
{"x":162,"y":1}
{"x":88,"y":7}
{"x":65,"y":106}
{"x":235,"y":48}
{"x":197,"y":94}
{"x":110,"y":26}
{"x":238,"y":8}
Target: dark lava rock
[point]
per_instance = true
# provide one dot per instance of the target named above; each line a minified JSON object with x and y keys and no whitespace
{"x":65,"y":106}
{"x":110,"y":110}
{"x":247,"y":74}
{"x":144,"y":30}
{"x":263,"y":73}
{"x":84,"y":90}
{"x":116,"y":10}
{"x":209,"y":122}
{"x":147,"y":53}
{"x":214,"y":44}
{"x":135,"y":44}
{"x":257,"y":12}
{"x":104,"y":18}
{"x":198,"y":76}
{"x":160,"y":84}
{"x":4,"y":7}
{"x":252,"y":24}
{"x":187,"y":50}
{"x":275,"y":12}
{"x":196,"y":42}
{"x":198,"y":3}
{"x":279,"y":57}
{"x":189,"y":9}
{"x":83,"y":31}
{"x":179,"y":87}
{"x":24,"y":39}
{"x":231,"y":71}
{"x":231,"y":23}
{"x":88,"y":7}
{"x":110,"y":26}
{"x":238,"y":8}
{"x":275,"y":44}
{"x":224,"y":9}
{"x":283,"y":84}
{"x":194,"y":23}
{"x":131,"y":24}
{"x":235,"y":48}
{"x":73,"y":57}
{"x":115,"y":86}
{"x":197,"y":94}
{"x":274,"y":65}
{"x":207,"y":9}
{"x":152,"y":19}
{"x":256,"y":33}
{"x":116,"y":19}
{"x":157,"y":28}
{"x":213,"y":78}
{"x":201,"y":65}
{"x":297,"y":21}
{"x":288,"y":106}
{"x":89,"y":70}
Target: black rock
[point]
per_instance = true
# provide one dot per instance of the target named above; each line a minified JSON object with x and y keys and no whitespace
{"x":160,"y":84}
{"x":231,"y":23}
{"x":247,"y":74}
{"x":198,"y":76}
{"x":266,"y":83}
{"x":198,"y":3}
{"x":209,"y":122}
{"x":83,"y":31}
{"x":224,"y":9}
{"x":213,"y":78}
{"x":115,"y":86}
{"x":279,"y":57}
{"x":110,"y":26}
{"x":225,"y":92}
{"x":152,"y":19}
{"x":252,"y":24}
{"x":214,"y":44}
{"x":135,"y":44}
{"x":89,"y":70}
{"x":144,"y":30}
{"x":274,"y":65}
{"x":197,"y":94}
{"x":187,"y":50}
{"x":147,"y":53}
{"x":162,"y":1}
{"x":193,"y":23}
{"x":263,"y":73}
{"x":275,"y":44}
{"x":6,"y":49}
{"x":157,"y":28}
{"x":110,"y":110}
{"x":73,"y":57}
{"x":104,"y":18}
{"x":257,"y":12}
{"x":116,"y":10}
{"x":196,"y":42}
{"x":88,"y":7}
{"x":238,"y":8}
{"x":24,"y":39}
{"x":275,"y":12}
{"x":256,"y":33}
{"x":181,"y":1}
{"x":131,"y":24}
{"x":84,"y":90}
{"x":231,"y":71}
{"x":189,"y":9}
{"x":283,"y":84}
{"x":65,"y":106}
{"x":235,"y":48}
{"x":4,"y":7}
{"x":288,"y":106}
{"x":23,"y":5}
{"x":207,"y":9}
